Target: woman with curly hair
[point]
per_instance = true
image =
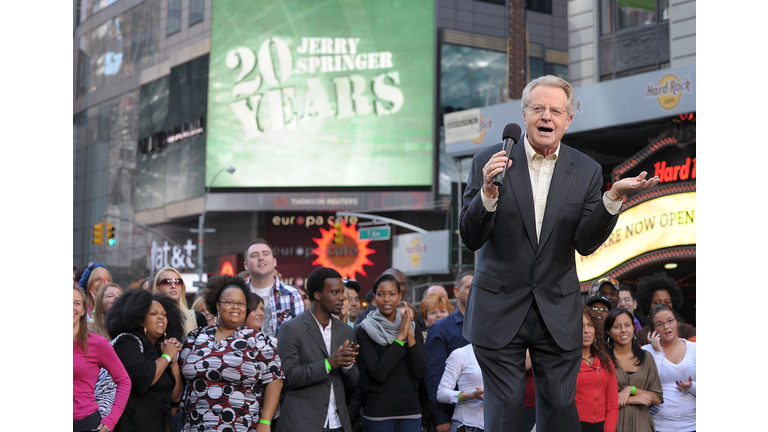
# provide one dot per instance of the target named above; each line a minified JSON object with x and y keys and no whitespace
{"x":168,"y":281}
{"x":660,"y":289}
{"x":104,"y":300}
{"x":233,"y":371}
{"x":90,"y":353}
{"x":146,"y":329}
{"x":636,"y":375}
{"x":597,"y":397}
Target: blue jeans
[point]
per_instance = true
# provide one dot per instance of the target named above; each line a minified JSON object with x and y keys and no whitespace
{"x":455,"y":427}
{"x":399,"y":425}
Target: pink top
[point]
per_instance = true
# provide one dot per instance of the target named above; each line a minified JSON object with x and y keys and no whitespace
{"x":85,"y":372}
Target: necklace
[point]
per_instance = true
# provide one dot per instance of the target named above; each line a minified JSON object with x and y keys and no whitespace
{"x":589,"y":360}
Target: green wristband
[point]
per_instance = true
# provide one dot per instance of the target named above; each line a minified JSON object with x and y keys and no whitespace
{"x":459,"y":397}
{"x":328,"y":365}
{"x":400,"y":342}
{"x":633,"y":390}
{"x":265,"y":421}
{"x":167,"y":357}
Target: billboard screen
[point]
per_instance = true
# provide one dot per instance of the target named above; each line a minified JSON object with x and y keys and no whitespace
{"x":333,"y":94}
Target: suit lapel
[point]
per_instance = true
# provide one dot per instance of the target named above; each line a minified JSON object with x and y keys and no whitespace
{"x":558,"y":190}
{"x":520,"y":183}
{"x":314,"y":331}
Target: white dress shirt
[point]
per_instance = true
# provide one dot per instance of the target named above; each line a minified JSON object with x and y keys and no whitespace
{"x":541,"y":170}
{"x":462,"y":369}
{"x":332,"y":421}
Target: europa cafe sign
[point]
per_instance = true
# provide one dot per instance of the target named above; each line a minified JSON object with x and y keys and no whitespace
{"x":664,"y":222}
{"x":341,"y":249}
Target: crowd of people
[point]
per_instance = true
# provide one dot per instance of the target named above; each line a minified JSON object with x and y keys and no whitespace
{"x":255,"y":354}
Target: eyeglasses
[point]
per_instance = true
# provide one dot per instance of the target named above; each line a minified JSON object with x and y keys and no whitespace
{"x":169,"y":281}
{"x":600,"y":309}
{"x":668,"y":322}
{"x":539,"y":110}
{"x":231,"y":304}
{"x":626,"y":299}
{"x":305,"y":297}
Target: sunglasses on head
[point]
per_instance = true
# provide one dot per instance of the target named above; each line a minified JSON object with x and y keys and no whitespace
{"x":611,"y":280}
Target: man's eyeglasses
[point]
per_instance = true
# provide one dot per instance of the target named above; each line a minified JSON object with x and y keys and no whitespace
{"x":668,"y":322}
{"x":169,"y":281}
{"x":539,"y":110}
{"x":231,"y":304}
{"x":600,"y":309}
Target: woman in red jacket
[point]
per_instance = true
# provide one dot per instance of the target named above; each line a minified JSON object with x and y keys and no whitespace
{"x":597,"y":394}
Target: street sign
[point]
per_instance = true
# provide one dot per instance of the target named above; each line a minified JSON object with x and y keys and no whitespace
{"x":375,"y":233}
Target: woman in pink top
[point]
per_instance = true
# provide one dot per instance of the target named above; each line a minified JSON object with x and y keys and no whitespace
{"x":91,"y":352}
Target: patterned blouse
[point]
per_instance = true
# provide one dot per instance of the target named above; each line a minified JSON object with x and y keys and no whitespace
{"x":226,"y":381}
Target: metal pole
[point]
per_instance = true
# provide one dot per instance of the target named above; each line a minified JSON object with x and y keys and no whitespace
{"x":458,"y":213}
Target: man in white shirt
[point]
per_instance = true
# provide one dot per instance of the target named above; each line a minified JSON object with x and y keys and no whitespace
{"x":318,"y":354}
{"x":281,"y":302}
{"x":525,"y":293}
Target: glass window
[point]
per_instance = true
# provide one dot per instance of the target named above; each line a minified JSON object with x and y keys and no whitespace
{"x":196,"y":8}
{"x":544,"y":6}
{"x":606,"y":16}
{"x":635,"y":13}
{"x":470,"y":77}
{"x":556,"y":69}
{"x":536,"y":67}
{"x":174,"y":16}
{"x":663,"y":10}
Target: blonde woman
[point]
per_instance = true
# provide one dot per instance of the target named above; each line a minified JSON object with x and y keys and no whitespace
{"x":168,"y":281}
{"x":104,"y":299}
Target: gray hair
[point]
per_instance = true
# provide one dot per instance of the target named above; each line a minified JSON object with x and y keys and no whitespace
{"x":550,"y":81}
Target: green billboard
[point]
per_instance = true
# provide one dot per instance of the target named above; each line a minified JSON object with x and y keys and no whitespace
{"x":307,"y":93}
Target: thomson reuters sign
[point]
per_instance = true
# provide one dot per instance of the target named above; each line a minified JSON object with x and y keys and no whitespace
{"x":668,"y":90}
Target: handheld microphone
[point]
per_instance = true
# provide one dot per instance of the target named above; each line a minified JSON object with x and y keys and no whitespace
{"x":510,"y":135}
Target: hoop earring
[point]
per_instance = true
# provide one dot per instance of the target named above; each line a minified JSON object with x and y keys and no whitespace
{"x":165,"y":335}
{"x":144,"y":328}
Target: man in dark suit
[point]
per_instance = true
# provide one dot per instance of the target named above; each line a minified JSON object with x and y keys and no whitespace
{"x":318,"y":355}
{"x":525,"y":293}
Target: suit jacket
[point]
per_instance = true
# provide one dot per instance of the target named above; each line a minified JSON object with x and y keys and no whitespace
{"x":513,"y":266}
{"x":302,"y":351}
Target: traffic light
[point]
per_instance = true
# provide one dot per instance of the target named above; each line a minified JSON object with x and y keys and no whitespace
{"x":98,"y":233}
{"x":110,"y":233}
{"x":338,"y":236}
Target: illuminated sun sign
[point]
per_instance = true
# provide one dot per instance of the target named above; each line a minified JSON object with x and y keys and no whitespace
{"x":349,"y":257}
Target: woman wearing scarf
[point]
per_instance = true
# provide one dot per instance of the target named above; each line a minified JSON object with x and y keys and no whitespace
{"x":392,"y":356}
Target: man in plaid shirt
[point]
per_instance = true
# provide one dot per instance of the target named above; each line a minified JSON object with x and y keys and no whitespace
{"x":281,"y":302}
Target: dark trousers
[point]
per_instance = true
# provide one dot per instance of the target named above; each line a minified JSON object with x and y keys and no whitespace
{"x":554,"y":373}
